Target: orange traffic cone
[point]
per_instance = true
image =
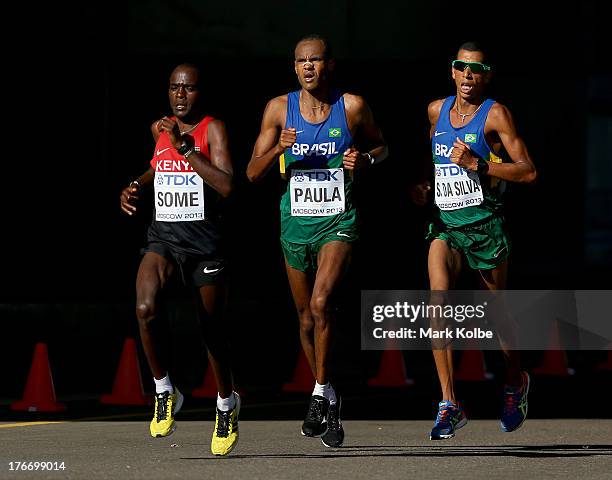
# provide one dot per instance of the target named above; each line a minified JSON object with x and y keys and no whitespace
{"x":127,"y":389}
{"x":209,"y":388}
{"x":303,"y":380}
{"x":554,"y":361}
{"x":472,"y":367}
{"x":39,"y":395}
{"x":392,"y":371}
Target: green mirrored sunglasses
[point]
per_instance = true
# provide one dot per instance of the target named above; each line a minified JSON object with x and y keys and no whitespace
{"x":475,"y":67}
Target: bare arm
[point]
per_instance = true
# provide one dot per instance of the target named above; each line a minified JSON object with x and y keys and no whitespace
{"x":521,"y":169}
{"x":218,"y":172}
{"x":420,"y":190}
{"x":155,"y":128}
{"x":433,"y":112}
{"x":361,"y":122}
{"x":272,"y":141}
{"x":131,"y":194}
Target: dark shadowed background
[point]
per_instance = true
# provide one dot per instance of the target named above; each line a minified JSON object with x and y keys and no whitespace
{"x":71,"y":270}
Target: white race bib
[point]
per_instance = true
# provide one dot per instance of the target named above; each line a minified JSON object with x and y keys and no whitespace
{"x":179,"y":196}
{"x":317,"y":192}
{"x":456,"y":187}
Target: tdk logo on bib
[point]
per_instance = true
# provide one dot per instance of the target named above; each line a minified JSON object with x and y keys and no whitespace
{"x":317,"y":176}
{"x":450,"y":170}
{"x":306,"y":150}
{"x":179,"y":179}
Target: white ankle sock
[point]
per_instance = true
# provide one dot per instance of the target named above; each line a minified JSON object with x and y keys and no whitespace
{"x":163,"y":385}
{"x":225,"y":404}
{"x":326,"y":391}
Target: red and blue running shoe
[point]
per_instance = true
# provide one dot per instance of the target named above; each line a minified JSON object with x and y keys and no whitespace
{"x":450,"y":418}
{"x":515,"y":406}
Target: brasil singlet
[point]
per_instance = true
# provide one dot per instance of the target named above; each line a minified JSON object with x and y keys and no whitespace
{"x":318,"y":190}
{"x":462,"y":196}
{"x":185,"y":213}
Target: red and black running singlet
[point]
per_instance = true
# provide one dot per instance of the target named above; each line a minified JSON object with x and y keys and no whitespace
{"x":183,"y":217}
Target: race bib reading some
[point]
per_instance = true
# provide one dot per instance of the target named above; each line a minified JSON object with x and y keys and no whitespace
{"x":179,"y":192}
{"x":317,"y":192}
{"x":456,"y":187}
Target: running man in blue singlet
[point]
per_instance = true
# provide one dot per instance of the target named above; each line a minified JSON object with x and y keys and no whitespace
{"x":468,"y":133}
{"x":319,"y":136}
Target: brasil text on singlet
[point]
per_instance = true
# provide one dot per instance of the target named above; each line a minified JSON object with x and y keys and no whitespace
{"x":461,"y":196}
{"x":318,"y":194}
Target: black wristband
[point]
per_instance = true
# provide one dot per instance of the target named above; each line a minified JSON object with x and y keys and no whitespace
{"x":482,"y":167}
{"x":184,"y":148}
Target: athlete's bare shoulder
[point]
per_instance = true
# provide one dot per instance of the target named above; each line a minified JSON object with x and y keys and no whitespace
{"x":499,"y":118}
{"x":433,"y":110}
{"x":275,"y":109}
{"x":353,"y":103}
{"x":499,"y":112}
{"x":216,"y":126}
{"x":278,"y":102}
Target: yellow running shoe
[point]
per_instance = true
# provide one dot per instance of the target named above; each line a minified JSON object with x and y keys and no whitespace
{"x":225,"y":435}
{"x":166,"y":406}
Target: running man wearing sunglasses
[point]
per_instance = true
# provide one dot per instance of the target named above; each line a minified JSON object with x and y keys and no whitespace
{"x":471,"y":131}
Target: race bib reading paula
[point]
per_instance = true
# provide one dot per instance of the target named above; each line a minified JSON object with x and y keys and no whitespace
{"x":456,"y":187}
{"x":317,"y":192}
{"x":179,"y":192}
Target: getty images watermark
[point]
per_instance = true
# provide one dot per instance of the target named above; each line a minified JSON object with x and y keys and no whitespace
{"x":477,"y":319}
{"x":413,"y":313}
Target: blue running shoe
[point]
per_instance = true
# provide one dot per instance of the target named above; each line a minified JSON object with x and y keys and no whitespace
{"x":515,"y":406}
{"x":450,"y":418}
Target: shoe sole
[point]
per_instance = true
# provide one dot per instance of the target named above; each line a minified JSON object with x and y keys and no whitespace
{"x":315,"y":436}
{"x":526,"y":410}
{"x":238,"y":404}
{"x":179,"y":404}
{"x":332,"y":446}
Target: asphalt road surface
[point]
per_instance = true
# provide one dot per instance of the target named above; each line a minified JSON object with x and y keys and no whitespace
{"x":567,"y":448}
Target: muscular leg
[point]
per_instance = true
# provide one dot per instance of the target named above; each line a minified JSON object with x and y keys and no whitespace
{"x":211,"y":306}
{"x":333,"y":260}
{"x":301,"y":289}
{"x":444,"y":265}
{"x":153,"y":274}
{"x":496,"y":279}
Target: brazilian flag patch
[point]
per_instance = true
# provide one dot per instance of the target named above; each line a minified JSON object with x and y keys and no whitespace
{"x":335,"y":132}
{"x":470,"y":138}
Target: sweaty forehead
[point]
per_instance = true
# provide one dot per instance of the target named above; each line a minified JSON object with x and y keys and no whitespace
{"x":310,"y":48}
{"x":186,"y":76}
{"x":469,"y":56}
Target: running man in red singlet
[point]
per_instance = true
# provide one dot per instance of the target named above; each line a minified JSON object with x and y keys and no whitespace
{"x":190,"y":171}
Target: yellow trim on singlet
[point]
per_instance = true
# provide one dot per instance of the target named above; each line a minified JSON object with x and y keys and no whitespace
{"x":281,"y":165}
{"x":494,"y":159}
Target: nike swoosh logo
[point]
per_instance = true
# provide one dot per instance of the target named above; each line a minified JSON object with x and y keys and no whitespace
{"x":436,"y":134}
{"x":340,"y":234}
{"x":212,"y":270}
{"x":159,"y":152}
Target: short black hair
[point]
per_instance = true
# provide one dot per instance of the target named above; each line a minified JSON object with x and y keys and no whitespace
{"x":315,"y":36}
{"x":193,"y":66}
{"x":475,"y":47}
